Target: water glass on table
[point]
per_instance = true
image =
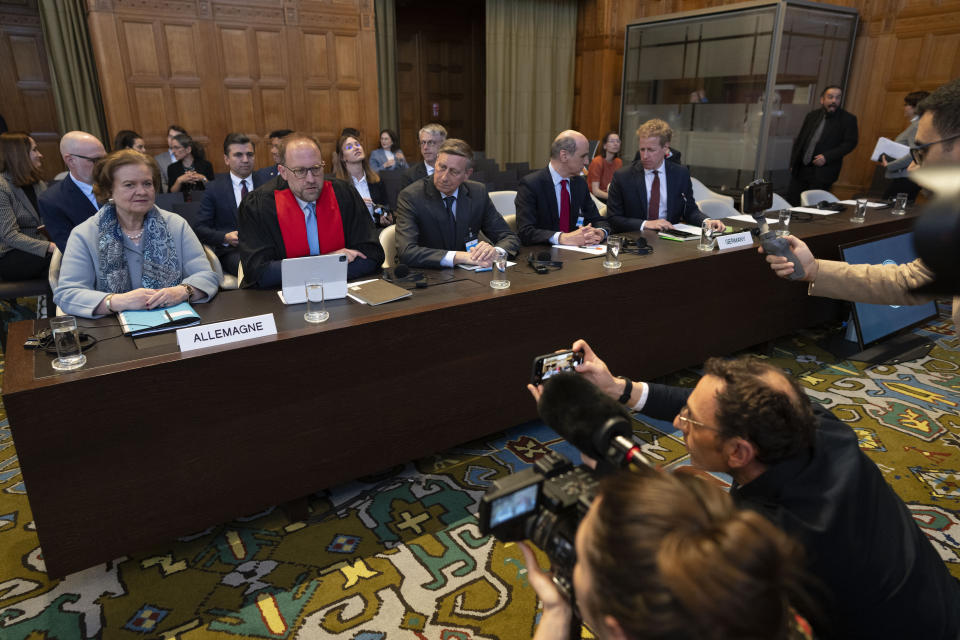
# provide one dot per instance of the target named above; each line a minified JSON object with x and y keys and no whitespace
{"x":67,"y":342}
{"x":316,"y":307}
{"x":900,"y":205}
{"x":784,"y":217}
{"x":706,"y":237}
{"x":860,"y":212}
{"x":612,"y":260}
{"x":498,"y":278}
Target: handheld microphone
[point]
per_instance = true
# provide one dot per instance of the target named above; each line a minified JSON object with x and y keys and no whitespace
{"x":592,"y":422}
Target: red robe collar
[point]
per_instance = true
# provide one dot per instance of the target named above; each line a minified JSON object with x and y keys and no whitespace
{"x":293,"y":226}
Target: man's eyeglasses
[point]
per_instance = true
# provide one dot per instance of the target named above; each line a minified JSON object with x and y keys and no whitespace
{"x":77,"y":155}
{"x":301,"y":172}
{"x":684,"y":415}
{"x":919,"y":152}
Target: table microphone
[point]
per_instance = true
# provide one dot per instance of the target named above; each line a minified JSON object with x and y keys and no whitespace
{"x":592,"y":422}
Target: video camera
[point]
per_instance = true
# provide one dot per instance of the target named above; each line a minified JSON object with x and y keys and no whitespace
{"x":757,"y":198}
{"x":546,"y":502}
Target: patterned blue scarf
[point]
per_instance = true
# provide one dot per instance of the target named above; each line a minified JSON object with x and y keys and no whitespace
{"x":161,"y":265}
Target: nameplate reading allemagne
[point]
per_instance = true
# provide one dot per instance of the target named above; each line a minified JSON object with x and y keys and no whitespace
{"x":730,"y":241}
{"x":212,"y":335}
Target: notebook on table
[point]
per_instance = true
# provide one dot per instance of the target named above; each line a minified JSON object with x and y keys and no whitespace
{"x":143,"y":322}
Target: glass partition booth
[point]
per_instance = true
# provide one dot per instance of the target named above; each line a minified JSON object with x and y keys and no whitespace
{"x":734,"y":84}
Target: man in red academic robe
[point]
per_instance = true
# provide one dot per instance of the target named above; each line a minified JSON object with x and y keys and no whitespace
{"x":299,"y":213}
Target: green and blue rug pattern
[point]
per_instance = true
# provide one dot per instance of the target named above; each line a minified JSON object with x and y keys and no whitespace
{"x":400,"y":555}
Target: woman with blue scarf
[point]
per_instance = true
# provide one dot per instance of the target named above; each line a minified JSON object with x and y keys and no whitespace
{"x":130,"y":254}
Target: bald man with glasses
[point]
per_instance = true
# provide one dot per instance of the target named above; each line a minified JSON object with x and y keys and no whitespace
{"x":70,"y":201}
{"x":937,"y":143}
{"x":302,"y":213}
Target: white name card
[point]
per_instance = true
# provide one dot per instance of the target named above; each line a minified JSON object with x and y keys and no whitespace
{"x":742,"y":239}
{"x":211,"y":335}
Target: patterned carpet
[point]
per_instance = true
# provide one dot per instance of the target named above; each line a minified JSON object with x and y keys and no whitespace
{"x":400,"y":555}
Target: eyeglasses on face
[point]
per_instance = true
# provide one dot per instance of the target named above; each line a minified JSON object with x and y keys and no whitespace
{"x":919,"y":152}
{"x":300,"y":172}
{"x":77,"y":155}
{"x":684,"y":416}
{"x":350,"y":146}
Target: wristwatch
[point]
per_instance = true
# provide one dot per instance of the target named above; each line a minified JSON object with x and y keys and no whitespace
{"x":627,"y":390}
{"x":189,"y":290}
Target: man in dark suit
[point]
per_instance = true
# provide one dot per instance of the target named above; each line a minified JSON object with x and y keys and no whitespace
{"x":827,"y":134}
{"x":554,"y":204}
{"x":166,"y":158}
{"x":430,"y":137}
{"x":270,"y":172}
{"x":653,"y":193}
{"x":796,"y":464}
{"x":439,"y":219}
{"x":216,"y":222}
{"x":70,"y":201}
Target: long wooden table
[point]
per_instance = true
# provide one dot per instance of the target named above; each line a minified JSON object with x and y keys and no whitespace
{"x":145,"y":443}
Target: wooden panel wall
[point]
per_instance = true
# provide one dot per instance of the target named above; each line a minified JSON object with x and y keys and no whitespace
{"x":216,"y":66}
{"x":902,"y":46}
{"x":26,"y":99}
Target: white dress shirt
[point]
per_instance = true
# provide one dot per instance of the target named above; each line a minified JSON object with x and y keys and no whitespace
{"x":364,"y":190}
{"x":238,"y":188}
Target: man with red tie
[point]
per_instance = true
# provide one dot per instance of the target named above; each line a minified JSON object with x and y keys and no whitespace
{"x":302,"y":214}
{"x":651,"y":193}
{"x":554,"y":204}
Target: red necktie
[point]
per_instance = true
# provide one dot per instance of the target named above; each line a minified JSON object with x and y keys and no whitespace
{"x":243,"y":189}
{"x":653,"y":211}
{"x":564,"y":207}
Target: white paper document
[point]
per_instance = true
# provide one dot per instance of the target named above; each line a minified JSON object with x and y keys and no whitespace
{"x":889,"y":147}
{"x":476,"y":267}
{"x":689,"y":228}
{"x":592,"y":249}
{"x":871,"y":205}
{"x":814,"y":211}
{"x":745,"y":218}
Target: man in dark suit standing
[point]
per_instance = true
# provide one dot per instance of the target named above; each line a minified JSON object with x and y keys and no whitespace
{"x":554,"y":204}
{"x":270,"y":172}
{"x":827,"y":134}
{"x":70,"y":201}
{"x":653,"y":193}
{"x":439,"y":219}
{"x":431,"y":136}
{"x":216,"y":223}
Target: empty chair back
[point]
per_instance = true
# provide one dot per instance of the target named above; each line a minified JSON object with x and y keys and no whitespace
{"x":504,"y":201}
{"x":813,"y":197}
{"x":701,"y":192}
{"x":392,"y":185}
{"x":388,"y":240}
{"x":779,"y":202}
{"x":716,"y":208}
{"x":188,"y":211}
{"x":166,"y":201}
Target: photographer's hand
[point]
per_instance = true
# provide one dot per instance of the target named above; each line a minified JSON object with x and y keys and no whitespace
{"x":595,"y":370}
{"x":783,"y":268}
{"x":557,"y":613}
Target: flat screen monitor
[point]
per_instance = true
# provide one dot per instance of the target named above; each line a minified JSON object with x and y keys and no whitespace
{"x":875,"y":322}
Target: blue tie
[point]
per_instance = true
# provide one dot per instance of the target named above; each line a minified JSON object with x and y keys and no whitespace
{"x":312,"y":239}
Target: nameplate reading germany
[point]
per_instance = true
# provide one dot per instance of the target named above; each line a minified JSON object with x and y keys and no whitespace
{"x":212,"y":335}
{"x":742,"y":239}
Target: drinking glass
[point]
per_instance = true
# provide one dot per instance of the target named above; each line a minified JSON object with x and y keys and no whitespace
{"x":900,"y":205}
{"x":316,"y":308}
{"x":498,"y":279}
{"x":706,"y":237}
{"x":67,"y":341}
{"x":860,"y":213}
{"x":612,"y":261}
{"x":784,"y":216}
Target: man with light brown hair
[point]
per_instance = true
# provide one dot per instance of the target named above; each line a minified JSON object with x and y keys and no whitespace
{"x":653,"y":193}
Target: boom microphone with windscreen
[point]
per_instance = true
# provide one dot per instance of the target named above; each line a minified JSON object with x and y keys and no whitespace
{"x":596,"y":425}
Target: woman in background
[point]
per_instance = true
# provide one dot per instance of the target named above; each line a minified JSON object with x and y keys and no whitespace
{"x":191,"y":171}
{"x":352,"y":166}
{"x":388,"y":157}
{"x":128,"y":139}
{"x":24,"y":252}
{"x":603,"y":165}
